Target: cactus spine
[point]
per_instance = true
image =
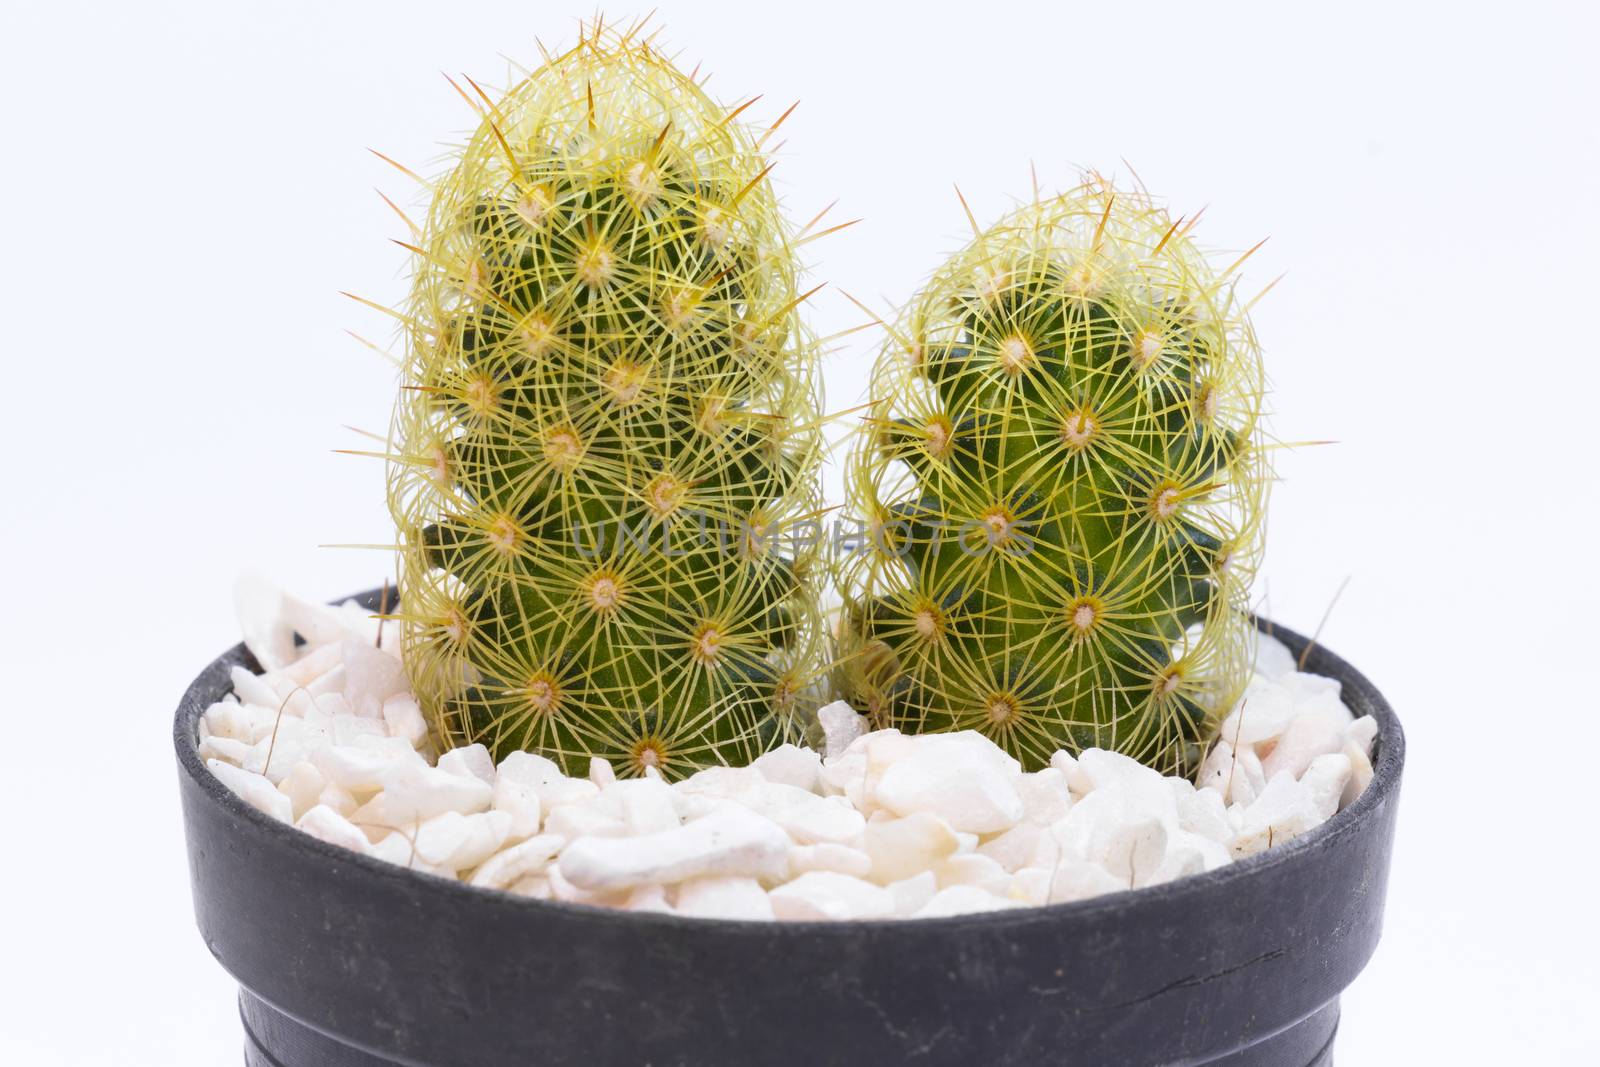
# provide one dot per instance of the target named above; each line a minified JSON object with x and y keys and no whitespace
{"x":610,"y":410}
{"x":1063,"y":485}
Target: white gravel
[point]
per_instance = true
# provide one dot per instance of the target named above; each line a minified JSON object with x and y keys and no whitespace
{"x":882,"y":825}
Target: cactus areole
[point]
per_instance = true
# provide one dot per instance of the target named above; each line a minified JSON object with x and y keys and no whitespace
{"x":1063,"y":486}
{"x":607,"y":430}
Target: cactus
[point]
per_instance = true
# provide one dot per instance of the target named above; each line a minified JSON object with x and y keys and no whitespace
{"x":1063,"y":483}
{"x":609,"y":417}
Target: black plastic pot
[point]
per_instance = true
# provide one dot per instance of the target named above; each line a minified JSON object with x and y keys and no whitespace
{"x":346,"y":961}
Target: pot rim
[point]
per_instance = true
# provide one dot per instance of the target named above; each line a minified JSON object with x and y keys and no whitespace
{"x":1387,"y":768}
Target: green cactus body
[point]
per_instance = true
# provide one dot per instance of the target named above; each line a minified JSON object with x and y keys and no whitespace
{"x":1063,"y":485}
{"x":608,"y":430}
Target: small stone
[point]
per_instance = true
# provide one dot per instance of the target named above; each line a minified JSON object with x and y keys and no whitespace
{"x":459,"y":842}
{"x":535,"y":886}
{"x":841,"y":725}
{"x":1045,"y":796}
{"x":309,"y":668}
{"x":910,"y":894}
{"x":646,"y":804}
{"x":964,"y":778}
{"x":1362,"y":733}
{"x":587,"y":819}
{"x":1030,"y":885}
{"x":792,"y":766}
{"x":1067,"y":764}
{"x":813,"y":820}
{"x":371,"y":675}
{"x":413,"y":792}
{"x":1360,"y":773}
{"x":601,"y":772}
{"x":1203,"y":812}
{"x":338,"y":798}
{"x":973,"y":869}
{"x":259,"y":606}
{"x":250,"y":689}
{"x":724,"y":898}
{"x":1325,"y":781}
{"x":359,"y":770}
{"x":731,"y":841}
{"x":1311,"y":734}
{"x":1284,"y":810}
{"x":1273,"y":658}
{"x":469,"y":761}
{"x":1113,"y":832}
{"x":239,"y":722}
{"x":1187,"y":854}
{"x":254,"y":790}
{"x":350,"y":728}
{"x":325,"y":824}
{"x":520,"y":802}
{"x":648,"y":898}
{"x":829,"y":896}
{"x":900,"y":848}
{"x":562,"y":889}
{"x":829,"y":857}
{"x":1015,"y":848}
{"x":1075,"y":878}
{"x":512,"y":865}
{"x":302,"y":785}
{"x":403,"y":716}
{"x":1263,"y":713}
{"x":232,"y":751}
{"x":963,"y":900}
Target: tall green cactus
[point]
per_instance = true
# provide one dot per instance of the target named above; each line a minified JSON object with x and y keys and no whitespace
{"x":608,"y":424}
{"x":1063,"y":485}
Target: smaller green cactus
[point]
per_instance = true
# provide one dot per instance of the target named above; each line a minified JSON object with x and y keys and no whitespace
{"x":1064,"y":487}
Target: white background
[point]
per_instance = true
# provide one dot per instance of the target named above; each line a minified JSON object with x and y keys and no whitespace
{"x":185,"y":187}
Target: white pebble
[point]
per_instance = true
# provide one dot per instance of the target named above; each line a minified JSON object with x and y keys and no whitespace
{"x":963,"y":900}
{"x":910,"y":894}
{"x":841,"y":725}
{"x":724,"y":898}
{"x":520,"y":802}
{"x":829,"y":896}
{"x":403,"y":716}
{"x":459,"y":842}
{"x":731,"y":841}
{"x":964,"y":778}
{"x":325,"y":824}
{"x":829,"y":857}
{"x":1273,"y":658}
{"x":901,"y":848}
{"x":512,"y":865}
{"x":371,"y":675}
{"x":338,"y":798}
{"x":792,"y":766}
{"x":360,"y":770}
{"x":1325,"y":781}
{"x":469,"y":761}
{"x":650,"y":898}
{"x":601,"y":773}
{"x":1015,"y":848}
{"x":1075,"y":878}
{"x":254,"y":790}
{"x":302,"y":785}
{"x":646,"y":804}
{"x":413,"y":791}
{"x":973,"y":869}
{"x":1284,"y":810}
{"x":250,"y":689}
{"x":1310,"y":735}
